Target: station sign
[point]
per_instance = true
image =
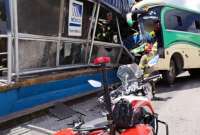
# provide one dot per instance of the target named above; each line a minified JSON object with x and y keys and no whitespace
{"x":75,"y":18}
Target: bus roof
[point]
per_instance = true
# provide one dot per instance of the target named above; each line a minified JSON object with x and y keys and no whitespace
{"x":153,"y":3}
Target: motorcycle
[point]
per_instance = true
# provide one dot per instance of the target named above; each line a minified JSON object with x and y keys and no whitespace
{"x":129,"y":115}
{"x":133,"y":82}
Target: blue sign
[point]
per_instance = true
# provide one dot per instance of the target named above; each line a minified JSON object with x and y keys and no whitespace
{"x":77,"y":10}
{"x":75,"y":18}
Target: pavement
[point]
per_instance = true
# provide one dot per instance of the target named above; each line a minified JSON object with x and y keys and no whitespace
{"x":181,"y":107}
{"x":178,"y":105}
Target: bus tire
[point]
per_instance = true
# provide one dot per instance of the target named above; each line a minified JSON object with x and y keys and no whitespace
{"x":170,"y":75}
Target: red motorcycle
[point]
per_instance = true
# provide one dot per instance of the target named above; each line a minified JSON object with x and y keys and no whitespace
{"x":130,"y":115}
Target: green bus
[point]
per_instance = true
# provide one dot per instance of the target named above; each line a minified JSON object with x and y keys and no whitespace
{"x":179,"y":37}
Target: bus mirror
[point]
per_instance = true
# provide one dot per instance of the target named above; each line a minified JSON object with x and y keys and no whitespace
{"x":130,"y":20}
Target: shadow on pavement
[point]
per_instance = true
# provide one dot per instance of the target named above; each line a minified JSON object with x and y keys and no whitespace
{"x":161,"y":99}
{"x":183,"y":83}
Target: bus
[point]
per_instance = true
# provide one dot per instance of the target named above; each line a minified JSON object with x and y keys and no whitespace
{"x":47,"y":48}
{"x":178,"y":38}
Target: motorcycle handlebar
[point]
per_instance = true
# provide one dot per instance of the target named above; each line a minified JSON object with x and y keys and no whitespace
{"x":152,"y":78}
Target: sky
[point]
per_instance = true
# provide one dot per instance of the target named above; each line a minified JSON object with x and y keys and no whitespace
{"x":192,"y":4}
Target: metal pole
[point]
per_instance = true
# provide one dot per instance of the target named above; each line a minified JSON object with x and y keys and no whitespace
{"x":11,"y":16}
{"x":58,"y":53}
{"x":42,"y":70}
{"x":127,"y":51}
{"x":107,"y":100}
{"x":120,"y":38}
{"x":11,"y":51}
{"x":9,"y":56}
{"x":62,"y":4}
{"x":90,"y":30}
{"x":94,"y":32}
{"x":15,"y":15}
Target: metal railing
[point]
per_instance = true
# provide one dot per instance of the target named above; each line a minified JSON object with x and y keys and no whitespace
{"x":8,"y":58}
{"x":14,"y":36}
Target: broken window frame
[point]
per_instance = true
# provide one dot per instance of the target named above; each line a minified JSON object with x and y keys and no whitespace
{"x":14,"y":37}
{"x":58,"y":39}
{"x":7,"y":36}
{"x":102,"y":43}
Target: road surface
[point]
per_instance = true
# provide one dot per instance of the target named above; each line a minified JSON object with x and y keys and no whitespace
{"x":181,"y":110}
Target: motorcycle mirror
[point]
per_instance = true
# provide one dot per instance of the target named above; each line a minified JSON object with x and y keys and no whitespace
{"x":95,"y":84}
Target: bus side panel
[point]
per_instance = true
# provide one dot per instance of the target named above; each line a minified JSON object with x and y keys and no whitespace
{"x":16,"y":100}
{"x":187,"y":44}
{"x":189,"y":54}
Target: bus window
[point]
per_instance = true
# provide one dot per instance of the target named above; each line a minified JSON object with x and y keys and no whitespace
{"x":31,"y":57}
{"x":112,"y":52}
{"x":83,"y":29}
{"x":107,"y":27}
{"x":72,"y":53}
{"x":174,"y":20}
{"x":107,"y":41}
{"x":179,"y":21}
{"x":197,"y":24}
{"x":39,"y":17}
{"x":153,"y":28}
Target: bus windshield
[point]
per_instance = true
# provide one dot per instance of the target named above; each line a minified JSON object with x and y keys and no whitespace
{"x":150,"y":24}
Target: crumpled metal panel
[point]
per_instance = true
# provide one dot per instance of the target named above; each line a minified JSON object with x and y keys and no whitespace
{"x":120,"y":6}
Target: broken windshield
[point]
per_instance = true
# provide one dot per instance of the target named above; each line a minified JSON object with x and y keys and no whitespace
{"x":149,"y":23}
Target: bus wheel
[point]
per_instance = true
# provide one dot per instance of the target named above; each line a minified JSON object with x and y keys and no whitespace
{"x":170,"y":75}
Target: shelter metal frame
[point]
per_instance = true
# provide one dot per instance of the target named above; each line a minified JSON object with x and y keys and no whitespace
{"x":14,"y":36}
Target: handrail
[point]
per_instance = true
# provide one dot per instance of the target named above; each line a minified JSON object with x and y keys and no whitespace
{"x":3,"y":69}
{"x":3,"y":53}
{"x":4,"y":36}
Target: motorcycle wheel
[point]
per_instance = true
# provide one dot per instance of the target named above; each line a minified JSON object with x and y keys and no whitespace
{"x":148,"y":90}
